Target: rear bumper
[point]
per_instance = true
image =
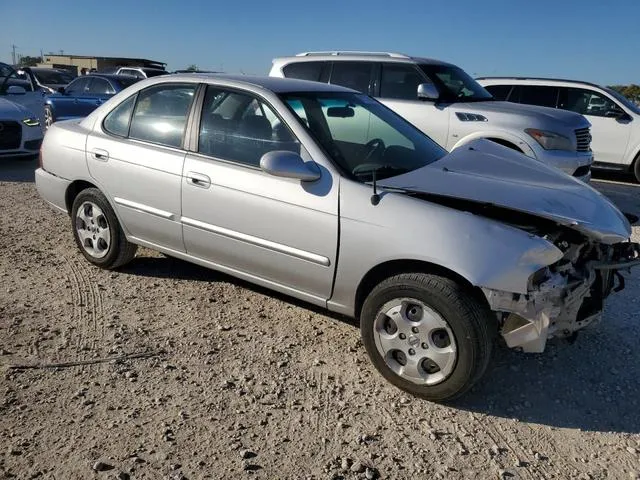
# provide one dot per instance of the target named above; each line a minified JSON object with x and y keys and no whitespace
{"x":52,"y":189}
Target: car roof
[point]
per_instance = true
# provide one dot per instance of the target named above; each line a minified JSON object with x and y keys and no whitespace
{"x":539,"y":79}
{"x":342,"y":56}
{"x":275,"y":84}
{"x":108,"y":76}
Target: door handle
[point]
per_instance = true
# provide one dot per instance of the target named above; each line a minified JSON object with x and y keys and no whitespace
{"x":100,"y":154}
{"x":198,"y":180}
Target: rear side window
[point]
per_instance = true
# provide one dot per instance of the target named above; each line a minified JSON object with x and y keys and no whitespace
{"x":356,"y":75}
{"x":499,"y":92}
{"x":586,"y":102}
{"x":314,"y":71}
{"x":160,"y":115}
{"x":117,"y":122}
{"x":536,"y":95}
{"x":400,"y":81}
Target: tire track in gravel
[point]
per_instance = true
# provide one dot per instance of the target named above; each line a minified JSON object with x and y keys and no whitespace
{"x":511,"y":443}
{"x":87,"y":306}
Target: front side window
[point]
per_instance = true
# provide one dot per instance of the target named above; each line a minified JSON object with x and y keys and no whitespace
{"x":161,"y":112}
{"x":241,"y":128}
{"x":77,"y":87}
{"x":361,"y":135}
{"x":587,"y":102}
{"x":356,"y":75}
{"x":100,"y":86}
{"x":117,"y":121}
{"x":454,"y":84}
{"x":400,"y":81}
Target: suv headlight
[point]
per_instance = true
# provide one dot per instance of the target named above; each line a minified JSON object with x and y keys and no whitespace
{"x":31,"y":122}
{"x":550,"y":140}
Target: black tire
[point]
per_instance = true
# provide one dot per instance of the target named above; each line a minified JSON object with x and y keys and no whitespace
{"x":636,"y":168}
{"x":49,"y":117}
{"x":120,"y":251}
{"x":471,"y":322}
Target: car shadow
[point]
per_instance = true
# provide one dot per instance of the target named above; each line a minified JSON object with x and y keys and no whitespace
{"x":17,"y":170}
{"x":583,"y":385}
{"x":177,"y":269}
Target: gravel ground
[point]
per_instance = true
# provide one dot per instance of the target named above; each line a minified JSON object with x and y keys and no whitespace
{"x":242,"y":383}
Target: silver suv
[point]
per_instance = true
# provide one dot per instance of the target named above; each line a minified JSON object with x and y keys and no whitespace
{"x":322,"y":193}
{"x":448,"y":105}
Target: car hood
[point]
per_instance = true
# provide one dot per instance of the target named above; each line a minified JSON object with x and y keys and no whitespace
{"x":12,"y":111}
{"x":485,"y":172}
{"x":570,"y":119}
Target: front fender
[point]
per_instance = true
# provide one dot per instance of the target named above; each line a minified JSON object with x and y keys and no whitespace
{"x":485,"y":252}
{"x":516,"y":140}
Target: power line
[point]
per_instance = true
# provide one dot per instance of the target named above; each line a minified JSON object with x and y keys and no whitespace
{"x":13,"y":54}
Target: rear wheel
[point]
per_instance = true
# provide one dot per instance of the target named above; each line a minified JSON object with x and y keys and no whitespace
{"x":427,"y":335}
{"x":636,"y":168}
{"x":97,"y":231}
{"x":48,"y":116}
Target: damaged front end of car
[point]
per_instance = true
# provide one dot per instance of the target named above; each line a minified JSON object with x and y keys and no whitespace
{"x":565,"y":296}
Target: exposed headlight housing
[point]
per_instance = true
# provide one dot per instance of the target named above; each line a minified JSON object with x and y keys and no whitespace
{"x":550,"y":140}
{"x":31,"y":122}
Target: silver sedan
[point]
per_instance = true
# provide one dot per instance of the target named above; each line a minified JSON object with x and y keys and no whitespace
{"x":328,"y":196}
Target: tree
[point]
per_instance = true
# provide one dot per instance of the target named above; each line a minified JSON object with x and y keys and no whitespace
{"x":27,"y":61}
{"x":192,"y":68}
{"x":632,"y":92}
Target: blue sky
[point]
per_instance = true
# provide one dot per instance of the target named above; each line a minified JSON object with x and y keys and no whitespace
{"x":587,"y":40}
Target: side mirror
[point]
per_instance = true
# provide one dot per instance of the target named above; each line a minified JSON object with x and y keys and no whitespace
{"x":60,"y":89}
{"x":281,"y":163}
{"x":616,"y":113}
{"x":428,"y":91}
{"x":16,"y":90}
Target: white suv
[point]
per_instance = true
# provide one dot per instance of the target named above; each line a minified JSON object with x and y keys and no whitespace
{"x":615,"y":120}
{"x":448,"y":105}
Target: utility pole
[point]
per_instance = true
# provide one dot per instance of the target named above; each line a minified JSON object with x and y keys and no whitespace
{"x":13,"y":54}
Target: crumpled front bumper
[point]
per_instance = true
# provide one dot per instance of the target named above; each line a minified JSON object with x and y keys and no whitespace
{"x":557,"y":308}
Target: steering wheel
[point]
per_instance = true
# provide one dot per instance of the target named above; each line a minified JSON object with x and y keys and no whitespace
{"x":374,"y":145}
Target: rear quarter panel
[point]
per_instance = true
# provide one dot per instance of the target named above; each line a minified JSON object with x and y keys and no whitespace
{"x":63,"y":151}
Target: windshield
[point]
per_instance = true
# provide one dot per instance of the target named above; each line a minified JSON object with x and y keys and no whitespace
{"x":5,"y":70}
{"x":52,"y":77}
{"x":361,"y":135}
{"x":454,"y":84}
{"x":624,"y":100}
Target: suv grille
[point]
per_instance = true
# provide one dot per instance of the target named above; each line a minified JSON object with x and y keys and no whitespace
{"x":10,"y":135}
{"x":583,"y":140}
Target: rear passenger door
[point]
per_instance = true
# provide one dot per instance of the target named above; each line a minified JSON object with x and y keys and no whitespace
{"x":137,"y":156}
{"x":276,"y":230}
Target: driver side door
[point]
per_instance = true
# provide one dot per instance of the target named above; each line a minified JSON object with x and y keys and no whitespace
{"x":276,"y":231}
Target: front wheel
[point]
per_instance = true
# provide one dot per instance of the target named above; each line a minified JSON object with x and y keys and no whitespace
{"x":48,"y":116}
{"x":97,"y":231}
{"x":427,"y":335}
{"x":636,"y":168}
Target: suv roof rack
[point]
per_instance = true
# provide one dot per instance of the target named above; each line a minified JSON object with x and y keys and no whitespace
{"x":354,"y":53}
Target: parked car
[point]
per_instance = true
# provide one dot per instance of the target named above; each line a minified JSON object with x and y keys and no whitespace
{"x":448,"y":105}
{"x":19,"y":91}
{"x":324,"y":194}
{"x":615,"y":119}
{"x":141,"y":72}
{"x":83,"y":95}
{"x":47,"y":79}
